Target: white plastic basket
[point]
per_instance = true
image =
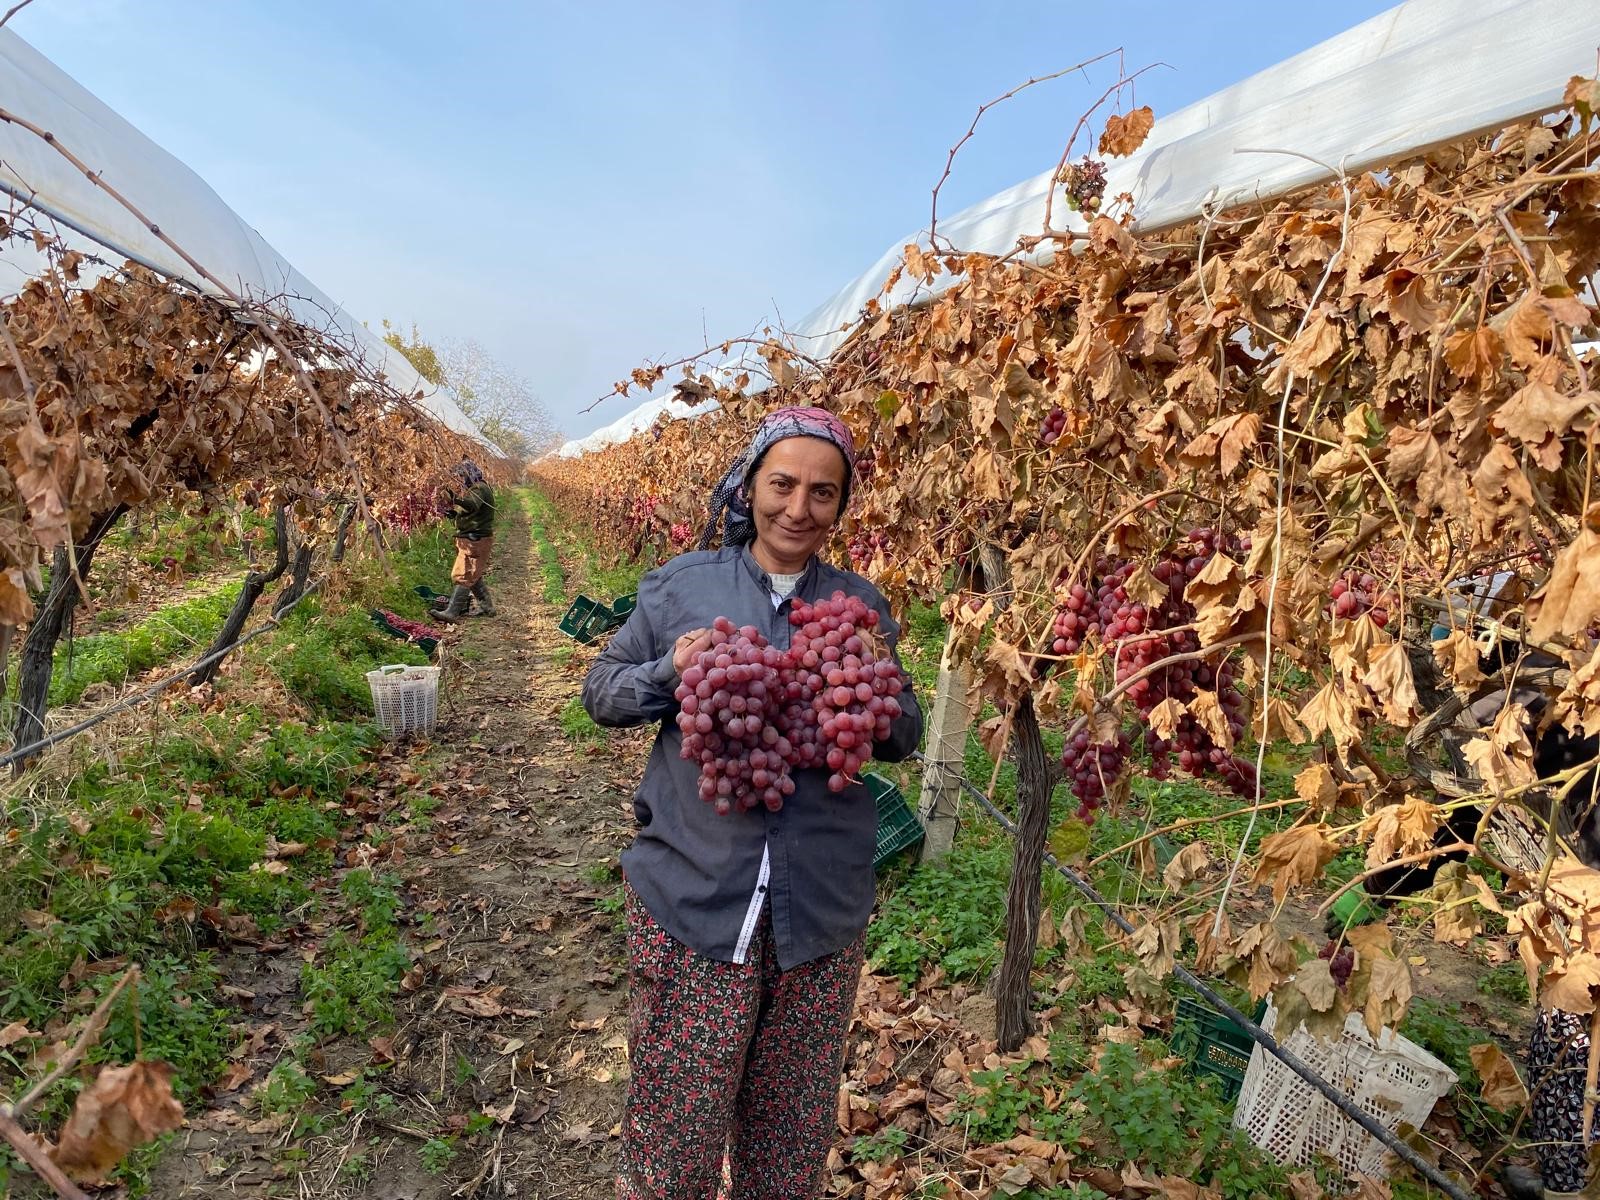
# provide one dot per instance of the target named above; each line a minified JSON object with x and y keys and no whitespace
{"x":405,"y":698}
{"x":1393,"y":1080}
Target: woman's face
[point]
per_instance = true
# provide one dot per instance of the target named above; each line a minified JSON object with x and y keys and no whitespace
{"x":796,"y":497}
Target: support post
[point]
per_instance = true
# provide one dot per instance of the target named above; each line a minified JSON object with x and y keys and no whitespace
{"x":947,"y":744}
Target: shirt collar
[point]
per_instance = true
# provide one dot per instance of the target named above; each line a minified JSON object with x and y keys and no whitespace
{"x":759,"y":573}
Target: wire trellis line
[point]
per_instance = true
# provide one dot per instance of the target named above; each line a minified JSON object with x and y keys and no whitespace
{"x":1259,"y":1035}
{"x":23,"y":753}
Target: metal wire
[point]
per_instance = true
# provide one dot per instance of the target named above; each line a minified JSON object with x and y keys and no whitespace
{"x":23,"y":753}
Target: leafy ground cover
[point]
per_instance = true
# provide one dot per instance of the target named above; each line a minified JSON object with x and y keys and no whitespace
{"x":224,"y":832}
{"x":383,"y":969}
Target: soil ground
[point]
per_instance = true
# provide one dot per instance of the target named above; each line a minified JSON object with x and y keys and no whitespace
{"x":516,"y":1005}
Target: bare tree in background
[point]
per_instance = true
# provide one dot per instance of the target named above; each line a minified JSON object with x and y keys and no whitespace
{"x":497,"y":399}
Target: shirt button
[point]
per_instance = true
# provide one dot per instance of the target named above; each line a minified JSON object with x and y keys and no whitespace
{"x":762,"y":888}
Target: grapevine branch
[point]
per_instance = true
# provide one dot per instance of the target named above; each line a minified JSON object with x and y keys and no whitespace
{"x":949,"y":162}
{"x":38,"y":1160}
{"x":1055,"y":176}
{"x":13,"y":11}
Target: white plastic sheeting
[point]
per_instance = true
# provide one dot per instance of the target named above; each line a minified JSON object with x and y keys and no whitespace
{"x":172,"y":196}
{"x":1424,"y":73}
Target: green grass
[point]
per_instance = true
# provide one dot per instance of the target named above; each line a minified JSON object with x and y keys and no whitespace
{"x":1128,"y":1106}
{"x":542,"y":518}
{"x":578,"y":726}
{"x":195,"y":539}
{"x":183,"y":629}
{"x":160,"y":854}
{"x":564,"y":550}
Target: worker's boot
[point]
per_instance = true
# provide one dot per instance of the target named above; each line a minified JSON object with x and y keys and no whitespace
{"x":480,"y":592}
{"x":456,"y":610}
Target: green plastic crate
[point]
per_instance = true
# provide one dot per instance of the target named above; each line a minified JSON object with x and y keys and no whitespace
{"x":898,"y":827}
{"x":586,"y":619}
{"x":623,"y":606}
{"x":1213,"y":1044}
{"x":1355,"y":907}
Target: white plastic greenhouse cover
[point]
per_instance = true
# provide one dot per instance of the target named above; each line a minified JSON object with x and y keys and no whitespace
{"x":1424,"y":73}
{"x":175,"y":198}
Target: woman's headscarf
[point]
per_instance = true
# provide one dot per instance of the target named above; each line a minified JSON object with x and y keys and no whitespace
{"x":730,"y":499}
{"x":469,"y":473}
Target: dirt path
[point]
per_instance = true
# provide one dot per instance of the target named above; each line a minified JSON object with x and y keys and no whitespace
{"x":517,"y":929}
{"x":504,"y":1074}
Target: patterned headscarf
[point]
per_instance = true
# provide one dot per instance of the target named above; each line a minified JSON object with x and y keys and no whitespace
{"x":730,"y":499}
{"x":469,"y":473}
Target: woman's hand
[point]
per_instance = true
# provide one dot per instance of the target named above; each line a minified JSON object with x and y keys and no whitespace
{"x":689,"y":645}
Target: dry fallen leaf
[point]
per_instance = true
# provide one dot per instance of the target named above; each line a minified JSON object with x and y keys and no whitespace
{"x":15,"y":1032}
{"x":1503,"y":1089}
{"x":1294,"y":857}
{"x":124,"y":1107}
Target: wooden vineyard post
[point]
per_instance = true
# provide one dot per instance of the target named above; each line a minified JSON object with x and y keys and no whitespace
{"x":947,"y":743}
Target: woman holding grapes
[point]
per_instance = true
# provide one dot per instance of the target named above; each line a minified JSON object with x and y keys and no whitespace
{"x":773,"y":676}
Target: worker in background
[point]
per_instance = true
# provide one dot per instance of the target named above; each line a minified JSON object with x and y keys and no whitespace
{"x":472,"y":510}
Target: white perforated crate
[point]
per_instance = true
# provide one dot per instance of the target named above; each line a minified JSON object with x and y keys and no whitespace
{"x":1392,"y":1079}
{"x":405,"y":698}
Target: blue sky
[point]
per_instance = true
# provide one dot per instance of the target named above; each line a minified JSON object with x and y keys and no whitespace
{"x":580,"y":187}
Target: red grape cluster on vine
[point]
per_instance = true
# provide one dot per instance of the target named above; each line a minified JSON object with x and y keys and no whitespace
{"x":682,"y":533}
{"x":1093,"y":768}
{"x":408,"y":514}
{"x":1355,"y":593}
{"x":1140,"y":636}
{"x":1085,"y":182}
{"x":642,"y":510}
{"x":864,"y":547}
{"x":1341,"y":962}
{"x":1053,"y":426}
{"x":751,"y":714}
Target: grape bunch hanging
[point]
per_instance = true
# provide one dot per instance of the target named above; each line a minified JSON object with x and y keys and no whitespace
{"x":752,"y":713}
{"x":1139,"y":636}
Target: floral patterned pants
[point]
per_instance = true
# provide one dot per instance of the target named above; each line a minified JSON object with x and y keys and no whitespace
{"x":1558,"y":1061}
{"x":730,"y":1061}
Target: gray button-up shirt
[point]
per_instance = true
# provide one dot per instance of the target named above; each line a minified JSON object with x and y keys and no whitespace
{"x":704,"y":877}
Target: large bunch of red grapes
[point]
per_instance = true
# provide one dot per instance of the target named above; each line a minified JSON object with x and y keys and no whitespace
{"x":752,"y":714}
{"x":1139,"y":636}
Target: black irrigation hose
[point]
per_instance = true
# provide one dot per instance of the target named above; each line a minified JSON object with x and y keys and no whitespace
{"x":23,"y":753}
{"x":1267,"y":1042}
